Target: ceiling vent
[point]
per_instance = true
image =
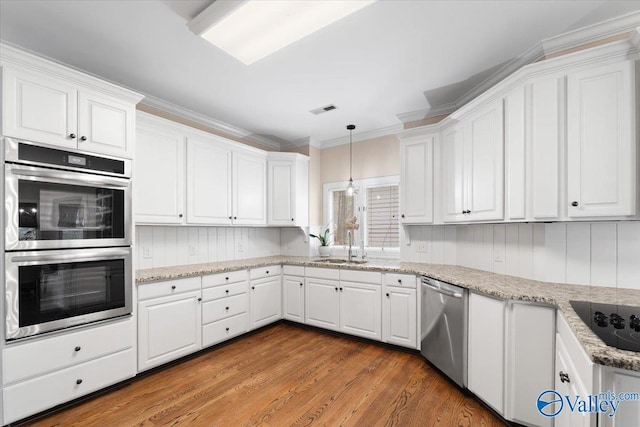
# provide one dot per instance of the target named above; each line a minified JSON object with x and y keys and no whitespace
{"x":323,"y":109}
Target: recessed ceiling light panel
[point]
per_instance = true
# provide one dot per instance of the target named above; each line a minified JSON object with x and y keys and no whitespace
{"x":252,"y":29}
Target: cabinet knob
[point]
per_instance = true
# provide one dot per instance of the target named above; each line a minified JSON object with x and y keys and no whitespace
{"x":292,"y":219}
{"x":78,"y":348}
{"x":253,"y":287}
{"x":226,"y":308}
{"x":78,"y":381}
{"x":399,"y":280}
{"x":227,"y":291}
{"x":300,"y":284}
{"x":340,"y":289}
{"x":336,"y":289}
{"x":226,"y":278}
{"x":199,"y":299}
{"x":226,"y":329}
{"x":235,"y":217}
{"x":180,"y":216}
{"x":387,"y":295}
{"x":173,"y":287}
{"x":402,"y":215}
{"x":72,"y":135}
{"x":267,"y":271}
{"x":229,"y":217}
{"x":83,"y":138}
{"x":574,"y":204}
{"x":564,"y":377}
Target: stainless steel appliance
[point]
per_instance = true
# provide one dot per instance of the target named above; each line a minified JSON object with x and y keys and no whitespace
{"x":64,"y":198}
{"x":444,"y":328}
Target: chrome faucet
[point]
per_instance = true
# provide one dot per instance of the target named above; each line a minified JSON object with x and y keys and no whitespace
{"x":350,"y":254}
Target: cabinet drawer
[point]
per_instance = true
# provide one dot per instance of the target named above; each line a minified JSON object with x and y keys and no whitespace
{"x":34,"y":358}
{"x":225,"y":278}
{"x":224,"y":329}
{"x":169,"y":287}
{"x":219,"y":309}
{"x":322,"y":273}
{"x":259,"y":273}
{"x":222,"y":291}
{"x":40,"y":393}
{"x":577,"y":355}
{"x":372,"y":277}
{"x":404,"y":280}
{"x":293,"y":270}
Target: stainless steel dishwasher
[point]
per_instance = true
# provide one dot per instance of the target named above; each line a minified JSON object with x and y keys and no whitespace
{"x":444,"y":327}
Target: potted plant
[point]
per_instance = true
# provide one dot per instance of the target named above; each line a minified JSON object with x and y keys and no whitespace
{"x":324,"y":248}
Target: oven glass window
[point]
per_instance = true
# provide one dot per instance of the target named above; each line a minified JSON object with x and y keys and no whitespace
{"x":49,"y":211}
{"x":58,"y":291}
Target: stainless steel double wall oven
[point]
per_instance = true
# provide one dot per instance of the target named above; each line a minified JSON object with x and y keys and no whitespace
{"x":67,"y":238}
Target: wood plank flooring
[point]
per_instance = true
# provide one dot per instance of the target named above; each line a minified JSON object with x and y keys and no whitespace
{"x":286,"y":376}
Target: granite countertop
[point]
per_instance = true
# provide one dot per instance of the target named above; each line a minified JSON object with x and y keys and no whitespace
{"x":497,"y":285}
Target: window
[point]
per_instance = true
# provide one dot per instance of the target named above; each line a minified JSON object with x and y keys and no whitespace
{"x":375,"y":204}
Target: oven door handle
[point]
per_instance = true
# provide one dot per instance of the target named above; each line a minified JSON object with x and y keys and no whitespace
{"x":71,"y":177}
{"x":87,"y":256}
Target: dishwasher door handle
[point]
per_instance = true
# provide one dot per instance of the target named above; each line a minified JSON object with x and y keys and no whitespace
{"x":443,"y":291}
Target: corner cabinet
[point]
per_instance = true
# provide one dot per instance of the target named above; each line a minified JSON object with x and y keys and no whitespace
{"x":287,"y":189}
{"x":293,"y":293}
{"x":265,"y":295}
{"x":602,"y":142}
{"x":52,"y":104}
{"x":416,"y":179}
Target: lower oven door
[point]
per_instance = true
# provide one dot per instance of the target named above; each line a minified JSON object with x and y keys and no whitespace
{"x":50,"y":290}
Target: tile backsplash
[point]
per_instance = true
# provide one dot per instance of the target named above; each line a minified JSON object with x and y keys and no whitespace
{"x":599,"y":253}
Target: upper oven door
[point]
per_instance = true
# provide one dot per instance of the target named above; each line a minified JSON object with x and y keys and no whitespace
{"x":48,"y":208}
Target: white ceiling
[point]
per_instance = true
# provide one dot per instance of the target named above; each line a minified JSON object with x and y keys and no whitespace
{"x":379,"y":62}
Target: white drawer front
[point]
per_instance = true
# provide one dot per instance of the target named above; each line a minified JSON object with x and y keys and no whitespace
{"x":35,"y":395}
{"x":225,"y":278}
{"x":169,"y":287}
{"x":269,"y":271}
{"x":34,"y":358}
{"x":222,"y":291}
{"x":222,"y":308}
{"x":322,"y":273}
{"x":372,"y":277}
{"x":221,"y":330}
{"x":293,"y":270}
{"x":404,"y":280}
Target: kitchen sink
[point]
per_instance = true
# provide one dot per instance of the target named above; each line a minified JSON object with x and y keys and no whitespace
{"x":338,"y":261}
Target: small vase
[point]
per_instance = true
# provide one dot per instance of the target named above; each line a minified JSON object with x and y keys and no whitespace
{"x":325,"y":251}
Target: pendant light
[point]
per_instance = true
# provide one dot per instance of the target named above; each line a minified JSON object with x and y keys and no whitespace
{"x":350,"y":190}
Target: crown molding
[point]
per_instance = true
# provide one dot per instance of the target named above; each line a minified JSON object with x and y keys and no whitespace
{"x":591,"y":33}
{"x":362,"y":136}
{"x":413,"y":116}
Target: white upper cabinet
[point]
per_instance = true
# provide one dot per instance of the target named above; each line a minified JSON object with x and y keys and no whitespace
{"x":515,"y":152}
{"x":602,"y":144}
{"x":208,"y":182}
{"x":249,"y":188}
{"x":416,"y":180}
{"x":158,"y":180}
{"x":52,"y":104}
{"x":473,"y":167}
{"x":288,"y":189}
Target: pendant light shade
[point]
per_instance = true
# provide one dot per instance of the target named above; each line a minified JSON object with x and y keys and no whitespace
{"x":350,"y":189}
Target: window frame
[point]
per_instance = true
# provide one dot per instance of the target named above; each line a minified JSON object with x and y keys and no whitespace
{"x":361,"y":186}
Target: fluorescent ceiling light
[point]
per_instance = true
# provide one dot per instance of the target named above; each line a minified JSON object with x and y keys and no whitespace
{"x":249,"y":30}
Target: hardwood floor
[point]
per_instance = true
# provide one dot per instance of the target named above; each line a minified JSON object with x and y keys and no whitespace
{"x":286,"y":375}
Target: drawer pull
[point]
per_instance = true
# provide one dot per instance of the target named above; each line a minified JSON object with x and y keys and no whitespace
{"x":226,"y":308}
{"x":227,"y":291}
{"x":300,"y":284}
{"x":199,"y":299}
{"x":253,"y":287}
{"x":564,"y":377}
{"x":399,"y":280}
{"x":267,"y":271}
{"x":78,"y":348}
{"x":173,"y":287}
{"x":226,"y":329}
{"x":387,"y":295}
{"x":79,"y":381}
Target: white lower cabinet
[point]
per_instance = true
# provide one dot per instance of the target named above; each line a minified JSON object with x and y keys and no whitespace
{"x":360,"y":311}
{"x":225,"y":306}
{"x":265,"y":296}
{"x":322,"y":303}
{"x":399,"y":316}
{"x":620,"y":381}
{"x":170,"y":322}
{"x":293,"y":298}
{"x":42,"y":373}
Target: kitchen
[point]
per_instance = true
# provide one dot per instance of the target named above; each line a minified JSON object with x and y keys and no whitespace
{"x":487,"y":221}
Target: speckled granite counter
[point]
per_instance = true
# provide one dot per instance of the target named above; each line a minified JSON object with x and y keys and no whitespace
{"x":501,"y":286}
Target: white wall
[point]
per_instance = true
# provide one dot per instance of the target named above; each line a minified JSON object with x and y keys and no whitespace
{"x":602,"y":253}
{"x":163,"y":246}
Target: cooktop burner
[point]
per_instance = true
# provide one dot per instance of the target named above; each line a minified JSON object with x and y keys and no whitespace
{"x":616,"y":325}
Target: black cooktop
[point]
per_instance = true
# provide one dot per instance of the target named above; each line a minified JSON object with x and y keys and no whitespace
{"x":617,"y":325}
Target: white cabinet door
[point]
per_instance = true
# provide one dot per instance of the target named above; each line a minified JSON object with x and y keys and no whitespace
{"x":399,"y":318}
{"x":484,"y":164}
{"x":158,"y":179}
{"x":39,"y":108}
{"x":168,"y":328}
{"x":453,"y":175}
{"x":265,"y":301}
{"x":602,"y":146}
{"x":322,"y":303}
{"x":293,"y":298}
{"x":208,"y":182}
{"x":516,"y":155}
{"x":486,"y":350}
{"x":360,"y":310}
{"x":105,"y":124}
{"x":281,"y":193}
{"x":621,"y":381}
{"x":416,"y":180}
{"x":573,"y":387}
{"x":249,"y":189}
{"x":529,"y":361}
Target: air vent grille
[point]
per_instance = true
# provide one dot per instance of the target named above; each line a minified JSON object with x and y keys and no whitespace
{"x":324,"y":109}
